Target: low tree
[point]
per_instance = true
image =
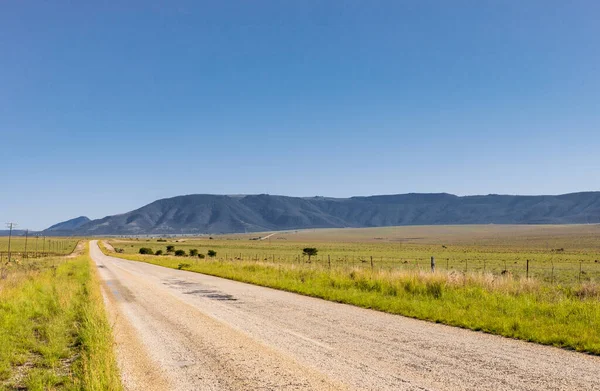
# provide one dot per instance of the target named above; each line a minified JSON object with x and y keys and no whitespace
{"x":158,"y":252}
{"x":212,"y":253}
{"x":170,"y":248}
{"x":146,"y":251}
{"x":193,"y":252}
{"x":310,"y":251}
{"x":180,"y":253}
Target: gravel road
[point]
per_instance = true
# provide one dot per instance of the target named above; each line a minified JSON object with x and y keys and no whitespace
{"x":177,"y":330}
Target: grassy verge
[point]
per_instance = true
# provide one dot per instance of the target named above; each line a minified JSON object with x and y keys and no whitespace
{"x":54,"y":334}
{"x":563,"y":316}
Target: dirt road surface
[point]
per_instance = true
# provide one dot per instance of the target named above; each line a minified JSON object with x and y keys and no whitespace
{"x":177,"y":330}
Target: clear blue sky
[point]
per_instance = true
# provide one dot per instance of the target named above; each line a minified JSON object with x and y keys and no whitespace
{"x":107,"y":106}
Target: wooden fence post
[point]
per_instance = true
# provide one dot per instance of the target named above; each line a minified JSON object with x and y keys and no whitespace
{"x":527,"y":270}
{"x":371,"y":264}
{"x":432,"y":264}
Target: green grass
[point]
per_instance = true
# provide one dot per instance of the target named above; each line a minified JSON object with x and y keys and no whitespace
{"x":54,"y":334}
{"x":566,"y":316}
{"x":485,"y":249}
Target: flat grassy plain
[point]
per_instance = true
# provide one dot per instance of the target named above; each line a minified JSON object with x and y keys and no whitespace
{"x":559,"y":254}
{"x":560,"y":309}
{"x":54,"y":334}
{"x":53,"y":245}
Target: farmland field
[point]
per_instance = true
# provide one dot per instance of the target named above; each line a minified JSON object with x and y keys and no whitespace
{"x":37,"y":245}
{"x":560,"y":254}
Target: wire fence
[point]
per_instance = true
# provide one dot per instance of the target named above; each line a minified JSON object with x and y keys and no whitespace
{"x":552,"y":271}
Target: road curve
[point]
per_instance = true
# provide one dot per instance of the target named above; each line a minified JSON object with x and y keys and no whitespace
{"x":177,"y":330}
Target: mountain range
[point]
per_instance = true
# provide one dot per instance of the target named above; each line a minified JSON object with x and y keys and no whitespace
{"x":206,"y":213}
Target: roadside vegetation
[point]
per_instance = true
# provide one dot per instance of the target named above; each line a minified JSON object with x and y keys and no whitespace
{"x":566,"y":315}
{"x":54,"y":334}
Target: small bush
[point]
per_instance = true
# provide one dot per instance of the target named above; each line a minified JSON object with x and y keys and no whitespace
{"x":161,"y":240}
{"x":158,"y":252}
{"x":180,"y":253}
{"x":201,"y":256}
{"x":193,"y":252}
{"x":170,"y":249}
{"x":146,"y":251}
{"x":183,"y":266}
{"x":212,"y":253}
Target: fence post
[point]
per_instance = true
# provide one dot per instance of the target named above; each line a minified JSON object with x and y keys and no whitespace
{"x":329,"y":261}
{"x":371,"y":264}
{"x":527,"y":270}
{"x":432,"y":264}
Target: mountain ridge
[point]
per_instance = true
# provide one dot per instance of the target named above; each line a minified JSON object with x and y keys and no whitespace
{"x":211,"y":213}
{"x":69,"y":225}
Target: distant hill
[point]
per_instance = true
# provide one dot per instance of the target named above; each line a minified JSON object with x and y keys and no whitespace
{"x":15,"y":232}
{"x":204,"y":213}
{"x":68,"y":225}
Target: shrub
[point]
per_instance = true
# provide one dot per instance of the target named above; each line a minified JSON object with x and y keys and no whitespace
{"x":183,"y":266}
{"x":193,"y":252}
{"x":158,"y":252}
{"x":161,"y":240}
{"x":212,"y":253}
{"x":170,"y":249}
{"x":180,"y":253}
{"x":146,"y":250}
{"x":201,"y":256}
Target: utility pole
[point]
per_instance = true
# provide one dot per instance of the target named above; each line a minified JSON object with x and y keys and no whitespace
{"x":26,"y":233}
{"x":36,"y":239}
{"x":44,"y":250}
{"x":10,"y":228}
